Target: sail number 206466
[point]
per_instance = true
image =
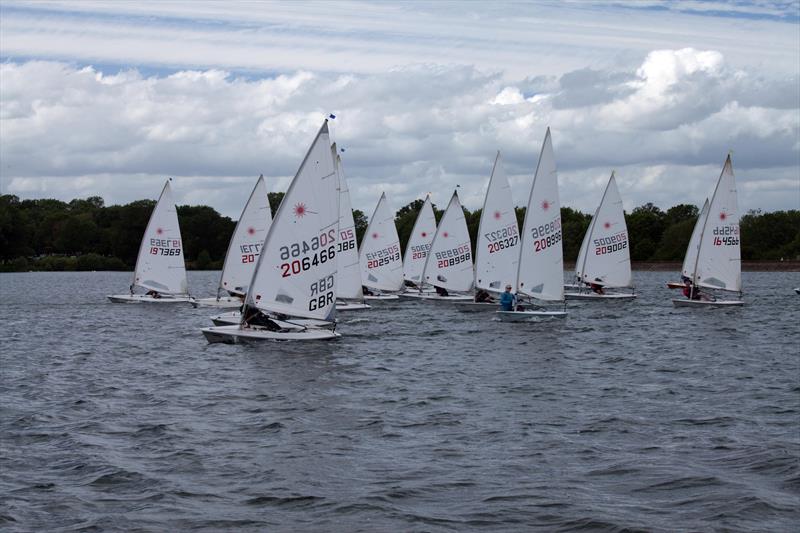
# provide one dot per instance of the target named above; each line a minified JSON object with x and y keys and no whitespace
{"x":317,"y":245}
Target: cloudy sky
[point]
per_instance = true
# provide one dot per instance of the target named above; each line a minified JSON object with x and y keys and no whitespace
{"x":108,"y":98}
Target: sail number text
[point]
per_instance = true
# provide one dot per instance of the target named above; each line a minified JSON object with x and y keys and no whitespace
{"x":546,"y":235}
{"x":347,"y":240}
{"x":453,"y":256}
{"x":250,"y":252}
{"x":420,"y":251}
{"x":383,"y":257}
{"x":726,"y":236}
{"x":165,"y":247}
{"x":321,"y":294}
{"x":317,"y":245}
{"x":609,"y":245}
{"x":502,"y":238}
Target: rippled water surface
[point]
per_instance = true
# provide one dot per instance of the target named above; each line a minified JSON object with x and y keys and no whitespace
{"x":624,"y":416}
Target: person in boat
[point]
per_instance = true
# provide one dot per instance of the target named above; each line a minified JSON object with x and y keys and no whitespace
{"x":508,"y":300}
{"x":153,"y":294}
{"x":441,"y":291}
{"x":254,"y":317}
{"x":482,"y":296}
{"x":597,"y":288}
{"x":366,"y":291}
{"x":693,"y":293}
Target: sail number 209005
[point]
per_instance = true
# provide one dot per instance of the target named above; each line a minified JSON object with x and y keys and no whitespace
{"x":323,"y":249}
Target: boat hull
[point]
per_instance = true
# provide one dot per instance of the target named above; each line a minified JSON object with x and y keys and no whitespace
{"x":675,"y":285}
{"x":594,"y":296}
{"x":233,"y":318}
{"x":351,"y":306}
{"x":381,"y":297}
{"x":680,"y":302}
{"x":524,"y":316}
{"x":146,"y":299}
{"x":239,"y":335}
{"x":433,"y":297}
{"x":227,"y":302}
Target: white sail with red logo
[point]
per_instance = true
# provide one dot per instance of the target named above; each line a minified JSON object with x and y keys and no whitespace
{"x":246,"y":242}
{"x":381,"y":263}
{"x":541,"y":263}
{"x":348,"y":284}
{"x":497,"y":247}
{"x":605,"y":253}
{"x":694,"y":243}
{"x":160,"y":266}
{"x":449,"y":262}
{"x":297,"y":269}
{"x":419,"y":243}
{"x":718,"y":263}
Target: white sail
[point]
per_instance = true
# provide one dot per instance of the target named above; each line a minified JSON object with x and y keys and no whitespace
{"x":605,"y":253}
{"x":160,"y":265}
{"x":296,"y":272}
{"x":419,"y":243}
{"x":449,"y":262}
{"x":497,"y":247}
{"x":246,"y":242}
{"x":718,"y":264}
{"x":381,"y":264}
{"x":541,"y":263}
{"x":694,"y":243}
{"x":348,"y":284}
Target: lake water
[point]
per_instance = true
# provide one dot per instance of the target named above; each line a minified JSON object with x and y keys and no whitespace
{"x":624,"y":416}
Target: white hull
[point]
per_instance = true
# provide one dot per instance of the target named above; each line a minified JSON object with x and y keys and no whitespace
{"x":234,"y":317}
{"x":226,"y":302}
{"x":350,"y":306}
{"x":433,"y":297}
{"x":797,"y":290}
{"x":237,"y":335}
{"x":595,"y":296}
{"x":145,"y":299}
{"x":679,"y":302}
{"x":522,"y":316}
{"x":476,"y":307}
{"x":382,"y":297}
{"x":572,"y":286}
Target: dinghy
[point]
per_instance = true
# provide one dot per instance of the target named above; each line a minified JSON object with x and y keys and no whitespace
{"x":717,"y":261}
{"x":497,"y":246}
{"x":348,"y":282}
{"x":295,"y":275}
{"x":232,"y":318}
{"x":243,"y":250}
{"x":691,"y":249}
{"x":448,"y":264}
{"x":419,"y":244}
{"x":540,"y":268}
{"x":604,"y":260}
{"x":160,"y":268}
{"x":381,"y":264}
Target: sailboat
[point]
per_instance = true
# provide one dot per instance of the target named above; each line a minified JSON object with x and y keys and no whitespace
{"x":348,"y":290}
{"x":160,"y":268}
{"x":295,"y":275}
{"x":449,"y":262}
{"x":381,"y":264}
{"x":691,"y":249}
{"x":540,"y":270}
{"x":604,"y":259}
{"x":717,"y":260}
{"x":497,"y":247}
{"x":419,"y":244}
{"x":243,"y":250}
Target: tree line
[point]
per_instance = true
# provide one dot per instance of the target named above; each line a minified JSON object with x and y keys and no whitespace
{"x":85,"y":234}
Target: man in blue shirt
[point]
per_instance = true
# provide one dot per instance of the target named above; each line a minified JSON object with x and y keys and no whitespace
{"x":507,"y":300}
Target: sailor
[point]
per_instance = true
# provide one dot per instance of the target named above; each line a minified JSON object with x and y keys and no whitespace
{"x":441,"y":291}
{"x":507,"y":300}
{"x":483,"y":296}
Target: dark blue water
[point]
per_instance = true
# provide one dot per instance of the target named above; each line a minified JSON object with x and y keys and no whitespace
{"x":631,"y":416}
